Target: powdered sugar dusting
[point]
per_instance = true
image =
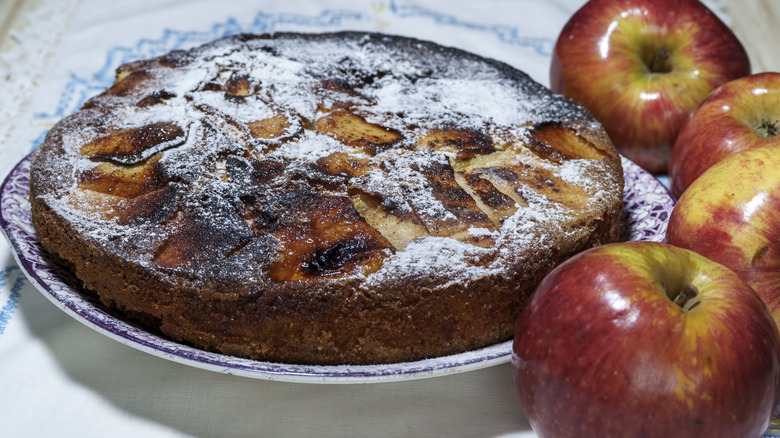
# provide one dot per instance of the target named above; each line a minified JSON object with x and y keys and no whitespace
{"x":430,"y":255}
{"x":475,"y":102}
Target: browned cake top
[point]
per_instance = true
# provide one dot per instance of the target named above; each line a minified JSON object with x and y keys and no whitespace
{"x":320,"y":158}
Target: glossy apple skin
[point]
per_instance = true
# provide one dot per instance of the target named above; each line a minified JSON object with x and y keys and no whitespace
{"x":728,"y":121}
{"x":731,"y":214}
{"x":601,"y":351}
{"x":601,"y":60}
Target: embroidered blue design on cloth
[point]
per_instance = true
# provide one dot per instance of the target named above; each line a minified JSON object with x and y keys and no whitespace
{"x":506,"y":34}
{"x":7,"y":311}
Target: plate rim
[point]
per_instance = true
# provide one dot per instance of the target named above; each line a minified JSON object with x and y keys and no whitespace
{"x":151,"y":343}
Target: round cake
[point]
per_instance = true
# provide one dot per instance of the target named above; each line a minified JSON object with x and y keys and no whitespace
{"x":339,"y":198}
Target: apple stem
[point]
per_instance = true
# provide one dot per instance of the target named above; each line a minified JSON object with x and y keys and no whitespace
{"x":768,"y":128}
{"x":660,"y":64}
{"x":685,"y":298}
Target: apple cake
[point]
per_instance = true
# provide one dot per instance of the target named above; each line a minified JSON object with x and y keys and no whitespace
{"x":337,"y":198}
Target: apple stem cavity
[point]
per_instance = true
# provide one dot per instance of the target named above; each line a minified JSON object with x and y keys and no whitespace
{"x":768,"y":128}
{"x":660,"y":62}
{"x":685,"y":299}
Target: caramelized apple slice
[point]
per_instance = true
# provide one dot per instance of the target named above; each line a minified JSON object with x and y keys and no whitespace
{"x":340,"y":163}
{"x":92,"y":203}
{"x":275,"y":127}
{"x":408,"y":197}
{"x":398,"y":228}
{"x":520,"y":182}
{"x":353,"y":130}
{"x":462,"y":212}
{"x":134,"y":193}
{"x":320,"y":236}
{"x":129,"y":81}
{"x":556,"y":142}
{"x":495,"y":204}
{"x":239,"y":84}
{"x":463,"y":144}
{"x":338,"y":85}
{"x":133,"y":145}
{"x":124,"y":181}
{"x":154,"y":206}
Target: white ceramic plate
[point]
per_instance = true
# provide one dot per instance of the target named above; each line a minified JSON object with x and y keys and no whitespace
{"x":648,"y":205}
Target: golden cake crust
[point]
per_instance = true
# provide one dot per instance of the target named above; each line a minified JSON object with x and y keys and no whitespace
{"x":324,"y":198}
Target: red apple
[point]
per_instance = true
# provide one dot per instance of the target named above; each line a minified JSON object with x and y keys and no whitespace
{"x":641,"y":66}
{"x":738,"y":115}
{"x":646,"y":339}
{"x":731,"y":214}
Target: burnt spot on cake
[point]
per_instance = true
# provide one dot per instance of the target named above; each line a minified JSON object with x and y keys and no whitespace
{"x":357,"y":74}
{"x":155,"y":98}
{"x":464,"y":144}
{"x":259,"y":212}
{"x":353,"y":130}
{"x":253,"y":172}
{"x":557,"y":142}
{"x":239,"y":169}
{"x":184,"y":247}
{"x":152,"y":207}
{"x":133,"y":145}
{"x":205,"y":230}
{"x":176,"y":58}
{"x":256,"y":180}
{"x":339,"y":85}
{"x":329,"y":260}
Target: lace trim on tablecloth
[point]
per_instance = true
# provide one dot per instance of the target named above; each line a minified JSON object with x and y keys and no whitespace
{"x":23,"y":64}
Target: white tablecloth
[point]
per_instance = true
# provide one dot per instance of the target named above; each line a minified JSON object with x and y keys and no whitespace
{"x":60,"y":378}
